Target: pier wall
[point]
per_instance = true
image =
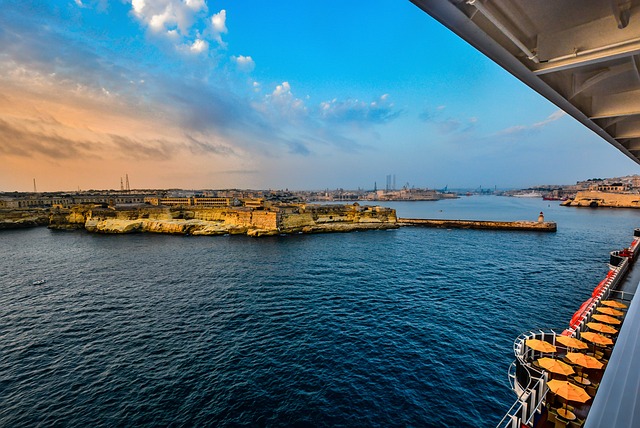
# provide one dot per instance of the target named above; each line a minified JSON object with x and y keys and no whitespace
{"x":544,"y":226}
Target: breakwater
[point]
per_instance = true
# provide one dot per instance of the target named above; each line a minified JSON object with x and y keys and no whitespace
{"x":275,"y":220}
{"x":544,"y":226}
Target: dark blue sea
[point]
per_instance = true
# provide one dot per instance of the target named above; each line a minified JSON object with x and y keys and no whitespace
{"x":410,"y":327}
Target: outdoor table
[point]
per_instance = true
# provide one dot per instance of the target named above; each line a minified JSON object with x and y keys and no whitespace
{"x":582,"y":380}
{"x":566,"y":414}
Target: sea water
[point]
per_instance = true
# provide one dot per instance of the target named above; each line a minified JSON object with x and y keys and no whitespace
{"x":408,"y":327}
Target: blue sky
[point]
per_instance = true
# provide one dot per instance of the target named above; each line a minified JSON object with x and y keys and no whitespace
{"x":281,"y":94}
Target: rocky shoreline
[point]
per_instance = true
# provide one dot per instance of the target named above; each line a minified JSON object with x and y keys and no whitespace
{"x":595,"y":199}
{"x":207,"y":221}
{"x":18,"y":219}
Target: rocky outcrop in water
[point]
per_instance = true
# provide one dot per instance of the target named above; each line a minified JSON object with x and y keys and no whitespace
{"x":21,"y":218}
{"x":220,"y":221}
{"x":596,"y":199}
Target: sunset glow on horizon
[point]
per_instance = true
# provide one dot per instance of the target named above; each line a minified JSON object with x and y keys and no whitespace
{"x":246,"y":94}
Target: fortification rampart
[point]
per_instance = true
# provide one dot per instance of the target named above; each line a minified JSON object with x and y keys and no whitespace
{"x":604,"y":199}
{"x":223,"y":220}
{"x":21,"y":218}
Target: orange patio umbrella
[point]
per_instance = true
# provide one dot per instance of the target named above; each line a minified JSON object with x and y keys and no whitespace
{"x":613,"y":304}
{"x":602,"y":328}
{"x":555,"y":366}
{"x":571,"y":342}
{"x":540,"y":345}
{"x":609,"y":311}
{"x":596,"y":338}
{"x":606,"y":319}
{"x":584,"y":360}
{"x":568,"y":391}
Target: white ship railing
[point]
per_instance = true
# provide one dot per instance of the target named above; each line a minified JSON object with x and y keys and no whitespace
{"x":529,"y":383}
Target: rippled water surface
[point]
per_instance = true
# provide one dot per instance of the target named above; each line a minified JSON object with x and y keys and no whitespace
{"x":411,"y":327}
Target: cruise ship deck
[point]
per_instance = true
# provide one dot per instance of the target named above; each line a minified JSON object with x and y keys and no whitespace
{"x":616,"y":403}
{"x":584,"y":56}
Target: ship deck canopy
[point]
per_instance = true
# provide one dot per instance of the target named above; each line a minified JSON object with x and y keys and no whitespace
{"x":582,"y":55}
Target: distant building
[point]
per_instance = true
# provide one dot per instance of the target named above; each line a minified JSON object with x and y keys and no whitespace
{"x":212,"y":202}
{"x":189,"y":201}
{"x":613,"y":187}
{"x":253,"y":202}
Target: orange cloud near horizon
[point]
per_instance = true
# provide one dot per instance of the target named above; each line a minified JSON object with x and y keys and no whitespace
{"x":76,"y":137}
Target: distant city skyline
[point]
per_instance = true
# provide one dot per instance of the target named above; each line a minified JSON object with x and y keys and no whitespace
{"x":201,"y":94}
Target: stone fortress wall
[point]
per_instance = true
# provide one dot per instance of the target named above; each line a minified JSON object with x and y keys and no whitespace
{"x":594,"y":199}
{"x":190,"y":220}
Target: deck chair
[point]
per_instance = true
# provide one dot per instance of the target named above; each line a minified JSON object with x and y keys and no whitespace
{"x":578,"y":423}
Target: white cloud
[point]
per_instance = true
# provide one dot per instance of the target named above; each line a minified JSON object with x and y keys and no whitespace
{"x":552,"y":118}
{"x":282,"y":91}
{"x":138,"y":5}
{"x":447,"y":124}
{"x":283,"y":100}
{"x":163,"y":20}
{"x":173,"y":34}
{"x":350,"y":110}
{"x":196,"y":4}
{"x":219,"y":26}
{"x":522,"y":129}
{"x":218,"y":21}
{"x":199,"y":46}
{"x":244,"y":63}
{"x":182,"y":21}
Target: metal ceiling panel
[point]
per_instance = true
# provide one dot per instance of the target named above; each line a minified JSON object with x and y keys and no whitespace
{"x":582,"y":55}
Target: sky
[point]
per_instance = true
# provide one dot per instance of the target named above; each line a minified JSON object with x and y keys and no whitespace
{"x":296,"y":95}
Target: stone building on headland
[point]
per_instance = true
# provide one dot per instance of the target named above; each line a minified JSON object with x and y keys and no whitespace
{"x":255,"y":213}
{"x":188,"y":201}
{"x":594,"y":198}
{"x":199,"y":220}
{"x":53,"y":200}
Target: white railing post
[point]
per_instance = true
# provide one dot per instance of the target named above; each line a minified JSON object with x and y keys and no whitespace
{"x":515,"y":421}
{"x":524,"y":410}
{"x":532,"y":405}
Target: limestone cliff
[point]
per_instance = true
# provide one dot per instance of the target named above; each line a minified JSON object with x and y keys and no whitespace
{"x":219,"y":221}
{"x":337,"y":218}
{"x":603,"y":199}
{"x":21,"y":218}
{"x":69,"y":218}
